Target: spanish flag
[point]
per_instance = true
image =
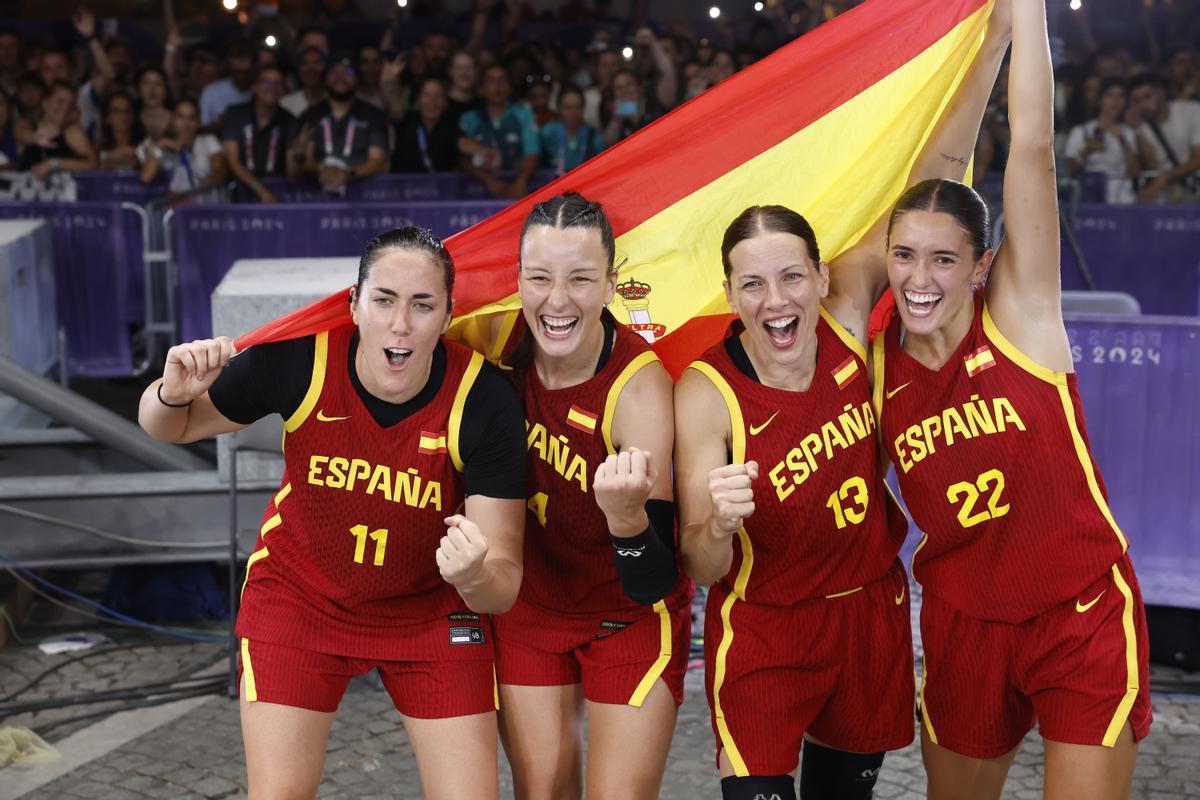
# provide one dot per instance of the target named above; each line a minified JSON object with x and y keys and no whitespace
{"x":979,"y":360}
{"x":431,"y":443}
{"x":828,"y":125}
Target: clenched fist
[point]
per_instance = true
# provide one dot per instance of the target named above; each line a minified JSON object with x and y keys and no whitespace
{"x":192,"y":368}
{"x":732,"y":495}
{"x":622,"y":486}
{"x":461,"y":552}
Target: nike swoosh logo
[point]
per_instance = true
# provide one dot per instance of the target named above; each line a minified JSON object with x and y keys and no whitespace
{"x":897,"y":389}
{"x":322,"y":418}
{"x":755,"y":431}
{"x":1082,"y":607}
{"x":900,"y":598}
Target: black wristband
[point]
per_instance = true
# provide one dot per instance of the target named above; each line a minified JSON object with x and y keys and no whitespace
{"x":172,"y":405}
{"x":645,"y":565}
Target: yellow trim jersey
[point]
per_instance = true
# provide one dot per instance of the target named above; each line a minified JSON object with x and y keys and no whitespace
{"x":824,"y":523}
{"x":994,"y":465}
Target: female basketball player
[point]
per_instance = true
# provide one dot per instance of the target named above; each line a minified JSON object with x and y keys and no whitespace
{"x":1031,"y":608}
{"x":603,"y":618}
{"x":365,"y":559}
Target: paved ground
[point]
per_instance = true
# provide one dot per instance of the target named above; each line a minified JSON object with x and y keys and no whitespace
{"x":194,"y":751}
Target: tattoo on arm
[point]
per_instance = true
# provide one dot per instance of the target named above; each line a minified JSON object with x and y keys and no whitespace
{"x":962,"y":162}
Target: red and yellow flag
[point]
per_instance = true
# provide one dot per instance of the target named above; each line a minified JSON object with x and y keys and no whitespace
{"x":828,"y":125}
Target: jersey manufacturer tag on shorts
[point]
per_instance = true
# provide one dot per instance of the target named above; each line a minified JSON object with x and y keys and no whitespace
{"x":466,"y":634}
{"x":610,"y":626}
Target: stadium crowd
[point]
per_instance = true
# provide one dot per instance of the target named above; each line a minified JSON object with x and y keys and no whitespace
{"x":488,"y":93}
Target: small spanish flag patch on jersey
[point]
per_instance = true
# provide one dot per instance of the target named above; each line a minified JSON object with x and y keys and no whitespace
{"x":584,"y":420}
{"x":432,"y":443}
{"x":845,"y":372}
{"x":979,"y":360}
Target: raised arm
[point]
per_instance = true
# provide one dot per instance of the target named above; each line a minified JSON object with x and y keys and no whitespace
{"x":858,"y":277}
{"x":1024,"y":294}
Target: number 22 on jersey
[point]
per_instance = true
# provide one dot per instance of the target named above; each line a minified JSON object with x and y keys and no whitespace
{"x":990,"y":483}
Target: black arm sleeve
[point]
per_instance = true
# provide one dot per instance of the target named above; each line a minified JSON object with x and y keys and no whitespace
{"x":269,"y":378}
{"x":493,"y":438}
{"x":646,"y":562}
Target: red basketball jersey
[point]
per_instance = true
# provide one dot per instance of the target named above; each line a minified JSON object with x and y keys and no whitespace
{"x":994,"y":466}
{"x":824,"y":522}
{"x":568,"y":553}
{"x":345,"y":563}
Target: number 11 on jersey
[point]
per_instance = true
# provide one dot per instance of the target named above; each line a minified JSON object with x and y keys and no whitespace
{"x":361,"y":534}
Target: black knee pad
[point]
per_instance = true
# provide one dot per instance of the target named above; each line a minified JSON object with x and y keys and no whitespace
{"x":759,"y":787}
{"x":829,"y":774}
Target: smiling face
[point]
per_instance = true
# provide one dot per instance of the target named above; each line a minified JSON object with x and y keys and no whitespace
{"x":401,"y":309}
{"x":564,"y":284}
{"x":59,"y":106}
{"x":775,"y":288}
{"x":932,"y":269}
{"x":463,"y":72}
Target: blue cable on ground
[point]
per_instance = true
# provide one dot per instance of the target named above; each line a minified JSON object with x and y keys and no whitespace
{"x":16,"y":565}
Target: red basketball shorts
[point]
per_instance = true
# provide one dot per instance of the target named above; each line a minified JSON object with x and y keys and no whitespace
{"x":274,"y":673}
{"x":617,"y":657}
{"x":839,"y":668}
{"x":1080,"y":670}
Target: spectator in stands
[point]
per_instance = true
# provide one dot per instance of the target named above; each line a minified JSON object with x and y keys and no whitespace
{"x":201,"y":67}
{"x":56,"y":64}
{"x":120,"y":132}
{"x":103,"y":78}
{"x":10,"y":61}
{"x":537,"y":99}
{"x":342,"y":138}
{"x":569,"y":141}
{"x":632,"y":110}
{"x":603,"y":65}
{"x":154,"y":101}
{"x":462,"y":95}
{"x":368,"y":60}
{"x":312,"y":37}
{"x":8,"y":139}
{"x":220,"y":95}
{"x":54,"y":142}
{"x":191,"y":159}
{"x":655,"y":69}
{"x":435,"y":53}
{"x":428,"y":139}
{"x":1171,"y":131}
{"x":256,"y":135}
{"x":30,"y":94}
{"x":501,"y":136}
{"x":311,"y":72}
{"x":1084,"y":100}
{"x":723,"y":66}
{"x":1107,"y":145}
{"x":1183,"y":74}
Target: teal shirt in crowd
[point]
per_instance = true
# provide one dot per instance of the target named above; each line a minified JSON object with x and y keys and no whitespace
{"x":514,"y":134}
{"x":563,"y":153}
